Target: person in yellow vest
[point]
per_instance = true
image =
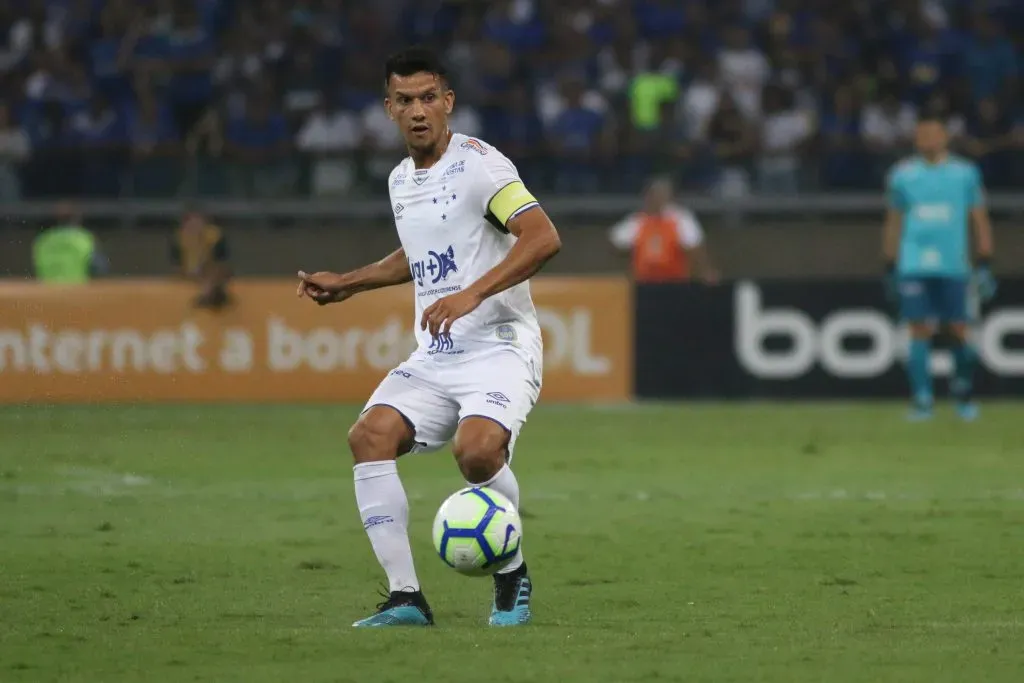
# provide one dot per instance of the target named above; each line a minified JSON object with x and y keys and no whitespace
{"x":666,"y":241}
{"x":66,"y":253}
{"x":200,"y":252}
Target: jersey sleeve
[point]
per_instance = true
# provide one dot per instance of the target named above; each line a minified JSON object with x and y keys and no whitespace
{"x":623,"y":233}
{"x":688,"y":229}
{"x":975,"y":187}
{"x":502,"y":194}
{"x":895,"y":196}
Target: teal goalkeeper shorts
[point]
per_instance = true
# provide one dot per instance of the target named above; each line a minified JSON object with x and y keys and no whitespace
{"x":934,"y":299}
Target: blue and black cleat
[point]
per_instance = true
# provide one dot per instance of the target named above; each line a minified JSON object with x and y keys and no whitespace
{"x":402,"y":608}
{"x":512,"y":598}
{"x":922,"y":409}
{"x":967,"y":411}
{"x":920,"y":414}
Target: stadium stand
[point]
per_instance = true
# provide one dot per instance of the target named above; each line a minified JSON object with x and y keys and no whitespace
{"x":161,"y":98}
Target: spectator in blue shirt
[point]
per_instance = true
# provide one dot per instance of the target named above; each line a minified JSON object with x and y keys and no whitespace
{"x":990,"y":142}
{"x":660,"y":18}
{"x":155,"y":147}
{"x":360,"y":87}
{"x":188,"y":52}
{"x":517,"y":130}
{"x":58,"y":78}
{"x":258,"y":144}
{"x":53,"y":169}
{"x":106,"y":57}
{"x":517,"y":30}
{"x":990,"y":60}
{"x":303,"y":87}
{"x":101,"y":134}
{"x":14,"y":149}
{"x":573,"y":136}
{"x":841,"y":151}
{"x":925,"y":62}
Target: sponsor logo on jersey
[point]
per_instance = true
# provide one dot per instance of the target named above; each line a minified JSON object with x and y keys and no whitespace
{"x":399,"y":180}
{"x":474,"y":145}
{"x":435,"y":268}
{"x":934,"y":212}
{"x":399,"y":208}
{"x":419,"y":177}
{"x":401,"y":373}
{"x":506,"y":332}
{"x":442,"y":343}
{"x":457,"y":167}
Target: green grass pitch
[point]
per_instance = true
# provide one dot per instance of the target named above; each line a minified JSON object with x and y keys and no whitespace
{"x":750,"y":543}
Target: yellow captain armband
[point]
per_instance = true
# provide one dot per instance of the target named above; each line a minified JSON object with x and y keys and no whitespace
{"x":510,"y":201}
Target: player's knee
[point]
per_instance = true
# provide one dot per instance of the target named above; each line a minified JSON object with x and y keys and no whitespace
{"x":480,"y":448}
{"x":958,"y":331}
{"x":375,"y":437}
{"x":922,"y":331}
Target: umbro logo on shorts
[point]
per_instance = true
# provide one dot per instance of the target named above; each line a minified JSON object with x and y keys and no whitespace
{"x":498,"y":399}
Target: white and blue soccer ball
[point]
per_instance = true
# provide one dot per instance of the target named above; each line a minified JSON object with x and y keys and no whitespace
{"x":477,"y":531}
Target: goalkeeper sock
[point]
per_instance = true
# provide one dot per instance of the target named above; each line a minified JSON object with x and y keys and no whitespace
{"x":965,"y":358}
{"x":384,"y":509}
{"x":919,"y":372}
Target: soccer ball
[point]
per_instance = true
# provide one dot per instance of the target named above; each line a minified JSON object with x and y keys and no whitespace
{"x":477,"y":531}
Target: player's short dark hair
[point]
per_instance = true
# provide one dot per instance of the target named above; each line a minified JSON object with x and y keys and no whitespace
{"x":932,"y":117}
{"x":415,"y":60}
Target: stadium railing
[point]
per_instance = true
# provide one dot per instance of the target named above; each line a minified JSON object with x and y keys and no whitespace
{"x":584,"y":206}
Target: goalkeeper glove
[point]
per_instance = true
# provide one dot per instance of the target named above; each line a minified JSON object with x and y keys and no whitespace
{"x":985,"y":281}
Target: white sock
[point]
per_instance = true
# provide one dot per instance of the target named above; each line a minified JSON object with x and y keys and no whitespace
{"x":505,"y":483}
{"x":384,"y":509}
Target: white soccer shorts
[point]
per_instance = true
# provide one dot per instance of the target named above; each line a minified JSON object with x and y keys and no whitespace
{"x":499,"y":385}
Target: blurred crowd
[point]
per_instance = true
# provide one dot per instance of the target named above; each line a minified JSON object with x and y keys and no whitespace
{"x":159,"y":98}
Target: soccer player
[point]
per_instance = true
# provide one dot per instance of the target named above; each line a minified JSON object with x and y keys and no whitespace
{"x":471,"y":235}
{"x":933,"y":199}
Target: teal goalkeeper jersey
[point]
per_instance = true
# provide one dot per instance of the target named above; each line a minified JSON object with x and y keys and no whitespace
{"x":935,"y":201}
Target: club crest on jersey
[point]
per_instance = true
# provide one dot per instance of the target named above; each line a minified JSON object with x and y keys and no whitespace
{"x":419,"y":177}
{"x":458,"y":167}
{"x":435,"y":268}
{"x":474,"y":145}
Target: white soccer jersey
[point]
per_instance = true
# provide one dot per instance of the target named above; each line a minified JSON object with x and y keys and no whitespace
{"x":451,"y":220}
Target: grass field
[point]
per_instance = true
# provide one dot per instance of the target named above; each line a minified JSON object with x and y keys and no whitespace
{"x":784,"y":543}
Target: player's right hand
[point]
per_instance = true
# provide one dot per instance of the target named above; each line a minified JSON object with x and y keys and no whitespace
{"x":323,"y":287}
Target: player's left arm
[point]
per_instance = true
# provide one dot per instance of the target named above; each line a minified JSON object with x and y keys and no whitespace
{"x":981,"y":227}
{"x":537,"y":241}
{"x":983,"y":241}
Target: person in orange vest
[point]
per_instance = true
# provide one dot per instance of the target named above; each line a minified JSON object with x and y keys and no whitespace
{"x":665,"y":240}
